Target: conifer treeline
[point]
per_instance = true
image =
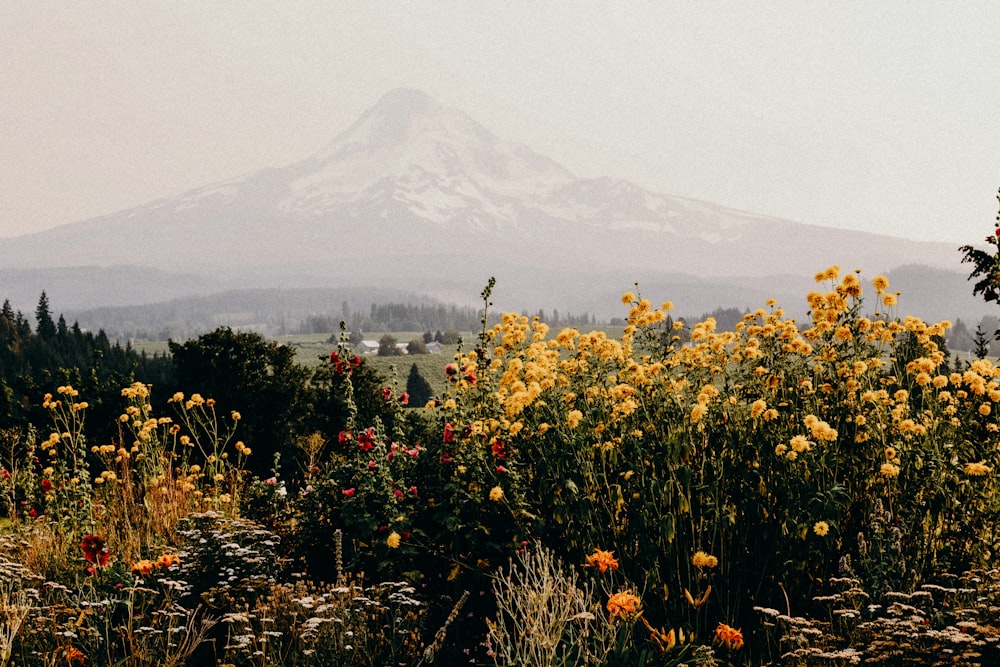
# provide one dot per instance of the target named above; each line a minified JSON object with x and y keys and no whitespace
{"x":422,"y":317}
{"x":36,"y":361}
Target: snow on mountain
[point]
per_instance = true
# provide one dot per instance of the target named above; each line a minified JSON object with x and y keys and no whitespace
{"x":412,"y":185}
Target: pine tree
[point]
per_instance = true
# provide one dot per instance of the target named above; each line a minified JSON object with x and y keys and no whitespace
{"x":981,"y":343}
{"x":46,"y":327}
{"x":418,"y":387}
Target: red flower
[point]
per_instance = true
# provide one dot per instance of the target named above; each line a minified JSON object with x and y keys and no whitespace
{"x":450,"y":369}
{"x":449,"y":434}
{"x":404,"y":398}
{"x":397,"y":493}
{"x":46,"y":485}
{"x":499,"y":449}
{"x":32,"y":512}
{"x":366,"y":439}
{"x":348,"y":492}
{"x":501,"y":469}
{"x":344,"y":437}
{"x":95,"y":550}
{"x":386,"y":393}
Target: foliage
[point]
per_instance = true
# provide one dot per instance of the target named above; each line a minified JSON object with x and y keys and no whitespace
{"x":259,"y":378}
{"x":417,"y":386}
{"x":573,"y":498}
{"x":57,"y":354}
{"x":387,"y":346}
{"x":986,"y":265}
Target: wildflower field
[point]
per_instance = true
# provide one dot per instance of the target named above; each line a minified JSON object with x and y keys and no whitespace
{"x":786,"y":493}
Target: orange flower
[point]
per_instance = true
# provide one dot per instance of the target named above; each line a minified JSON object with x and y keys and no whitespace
{"x":731,"y":638}
{"x":143,"y":567}
{"x":166,"y":560}
{"x":623,"y":603}
{"x":604,"y":560}
{"x":73,"y":655}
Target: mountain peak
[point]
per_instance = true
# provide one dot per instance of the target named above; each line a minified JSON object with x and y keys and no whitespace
{"x":406,"y":101}
{"x":396,"y":116}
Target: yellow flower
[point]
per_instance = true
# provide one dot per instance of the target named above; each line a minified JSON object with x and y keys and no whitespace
{"x":603,"y":560}
{"x":800,"y":444}
{"x":757,"y":408}
{"x":393,"y":540}
{"x":984,"y":409}
{"x":627,"y":298}
{"x":573,"y":418}
{"x":889,"y":470}
{"x":697,"y":412}
{"x":889,"y":300}
{"x":977,"y":469}
{"x":496,"y":494}
{"x":702,"y":559}
{"x":880,"y":283}
{"x":821,"y":528}
{"x":623,"y":604}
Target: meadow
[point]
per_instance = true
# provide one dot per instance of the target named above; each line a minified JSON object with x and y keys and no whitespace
{"x":783,"y":493}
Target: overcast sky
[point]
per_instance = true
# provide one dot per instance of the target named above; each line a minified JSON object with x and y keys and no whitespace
{"x":883,"y":116}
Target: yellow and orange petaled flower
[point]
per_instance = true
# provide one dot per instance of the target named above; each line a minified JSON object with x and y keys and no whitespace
{"x":603,"y":560}
{"x":166,"y":560}
{"x":702,"y":559}
{"x":977,"y":469}
{"x":143,"y":567}
{"x":731,"y":638}
{"x":393,"y":540}
{"x":624,"y":604}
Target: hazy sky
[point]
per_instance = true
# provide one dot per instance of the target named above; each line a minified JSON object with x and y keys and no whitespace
{"x":882,"y":116}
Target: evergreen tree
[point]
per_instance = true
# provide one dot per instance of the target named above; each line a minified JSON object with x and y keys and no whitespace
{"x":980,"y":343}
{"x":418,"y":388}
{"x":46,"y":327}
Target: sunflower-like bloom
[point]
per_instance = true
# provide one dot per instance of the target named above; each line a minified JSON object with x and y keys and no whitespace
{"x":977,"y":469}
{"x":393,"y":540}
{"x":702,"y":559}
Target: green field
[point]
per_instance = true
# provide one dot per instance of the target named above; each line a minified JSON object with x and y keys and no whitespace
{"x":312,"y":349}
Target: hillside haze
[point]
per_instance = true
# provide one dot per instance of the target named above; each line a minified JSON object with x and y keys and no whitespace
{"x":421,"y":197}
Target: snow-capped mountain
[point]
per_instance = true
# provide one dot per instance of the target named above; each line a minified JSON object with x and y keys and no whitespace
{"x":415,"y":194}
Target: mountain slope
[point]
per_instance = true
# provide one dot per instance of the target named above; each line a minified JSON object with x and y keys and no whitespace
{"x":420,"y":197}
